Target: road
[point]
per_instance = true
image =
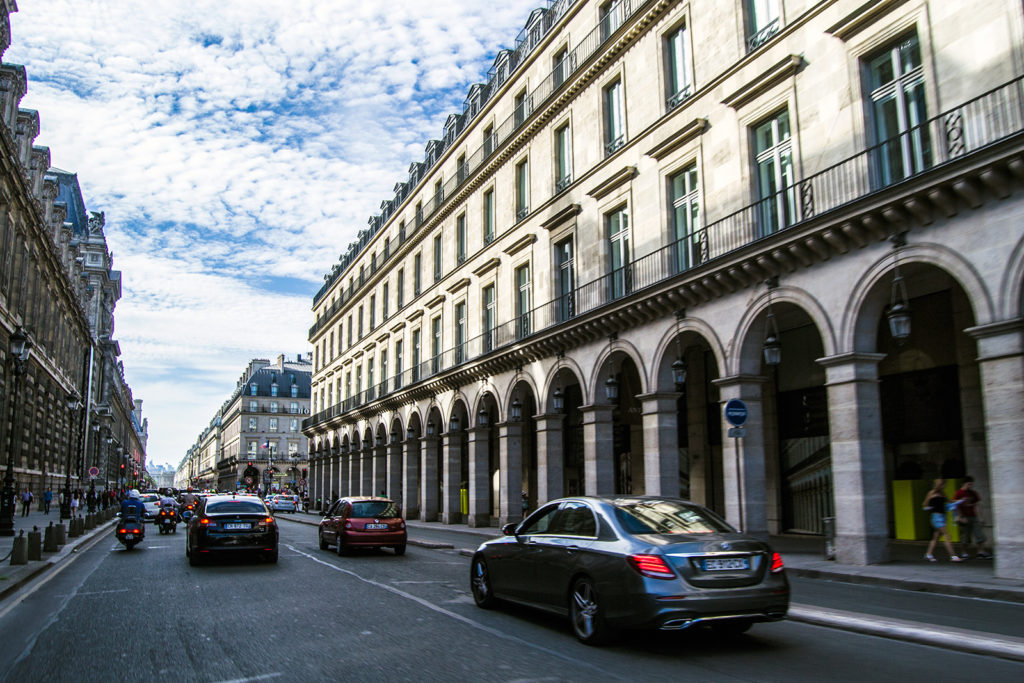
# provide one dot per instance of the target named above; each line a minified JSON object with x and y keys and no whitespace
{"x":147,"y":614}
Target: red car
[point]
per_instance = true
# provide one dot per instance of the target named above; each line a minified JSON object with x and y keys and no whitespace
{"x":363,"y":522}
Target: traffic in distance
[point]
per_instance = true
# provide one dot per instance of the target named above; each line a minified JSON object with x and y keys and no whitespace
{"x":605,"y":564}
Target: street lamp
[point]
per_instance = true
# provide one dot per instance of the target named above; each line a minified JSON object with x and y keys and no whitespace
{"x":65,"y":504}
{"x":19,"y":348}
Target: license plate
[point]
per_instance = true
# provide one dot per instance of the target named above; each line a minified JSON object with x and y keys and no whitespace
{"x":232,"y":526}
{"x":726,"y":563}
{"x":129,"y":537}
{"x":376,"y":526}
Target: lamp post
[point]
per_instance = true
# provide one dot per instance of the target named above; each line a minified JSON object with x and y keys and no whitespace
{"x":65,"y":502}
{"x":19,"y":348}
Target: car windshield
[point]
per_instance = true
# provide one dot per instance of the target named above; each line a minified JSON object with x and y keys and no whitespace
{"x":249,"y":506}
{"x":668,"y":517}
{"x":375,"y":508}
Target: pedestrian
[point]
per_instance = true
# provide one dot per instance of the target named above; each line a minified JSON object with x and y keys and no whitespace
{"x":74,"y":505}
{"x":47,"y":499}
{"x":26,"y":502}
{"x":935,"y":503}
{"x":969,"y":520}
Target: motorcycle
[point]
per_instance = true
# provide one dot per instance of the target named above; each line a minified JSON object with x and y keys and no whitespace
{"x":186,"y":512}
{"x":167,"y":520}
{"x":130,"y":530}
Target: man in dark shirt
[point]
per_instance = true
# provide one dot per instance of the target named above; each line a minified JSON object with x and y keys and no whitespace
{"x":969,"y":520}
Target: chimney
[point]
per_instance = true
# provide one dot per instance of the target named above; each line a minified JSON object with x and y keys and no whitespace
{"x":280,"y":361}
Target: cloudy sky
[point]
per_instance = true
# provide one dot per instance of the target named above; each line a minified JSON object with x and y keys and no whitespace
{"x":237,"y":146}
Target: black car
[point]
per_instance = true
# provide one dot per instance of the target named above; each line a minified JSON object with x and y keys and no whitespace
{"x":632,"y":562}
{"x":231,"y":524}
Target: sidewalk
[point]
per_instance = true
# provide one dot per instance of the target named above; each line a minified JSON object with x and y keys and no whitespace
{"x":12,"y":577}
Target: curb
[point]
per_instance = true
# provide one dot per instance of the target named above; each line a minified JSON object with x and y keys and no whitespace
{"x":936,"y":587}
{"x":992,"y":645}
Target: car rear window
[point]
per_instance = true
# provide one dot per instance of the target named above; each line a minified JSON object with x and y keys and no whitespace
{"x":375,"y":508}
{"x":149,"y":499}
{"x":249,"y":506}
{"x":668,"y":517}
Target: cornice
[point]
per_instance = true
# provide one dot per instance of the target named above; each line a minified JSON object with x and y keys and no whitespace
{"x":768,"y":78}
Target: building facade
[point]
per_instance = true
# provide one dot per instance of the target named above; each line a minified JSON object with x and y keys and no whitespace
{"x":652,"y":208}
{"x":255,"y":441}
{"x":64,"y":395}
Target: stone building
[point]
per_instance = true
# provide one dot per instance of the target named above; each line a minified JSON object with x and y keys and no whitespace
{"x":255,"y":441}
{"x":653,"y":207}
{"x":57,"y":293}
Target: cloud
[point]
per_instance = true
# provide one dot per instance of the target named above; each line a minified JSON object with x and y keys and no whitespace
{"x":237,"y":146}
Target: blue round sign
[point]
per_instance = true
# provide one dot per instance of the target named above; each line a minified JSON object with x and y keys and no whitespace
{"x":736,"y":412}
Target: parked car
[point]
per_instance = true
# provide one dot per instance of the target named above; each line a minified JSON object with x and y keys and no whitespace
{"x":632,"y":562}
{"x":231,"y":524}
{"x":283,"y":503}
{"x":363,"y":522}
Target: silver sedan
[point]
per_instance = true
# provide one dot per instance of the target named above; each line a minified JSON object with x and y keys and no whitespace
{"x":632,"y":562}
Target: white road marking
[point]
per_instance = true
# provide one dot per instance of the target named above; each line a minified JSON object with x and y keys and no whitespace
{"x":448,"y":613}
{"x":264,"y":677}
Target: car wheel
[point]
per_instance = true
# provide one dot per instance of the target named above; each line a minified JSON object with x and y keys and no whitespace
{"x":731,"y":627}
{"x":400,"y":549}
{"x":480,"y":583}
{"x":323,"y":543}
{"x":342,"y":550}
{"x":586,"y":613}
{"x":271,"y":557}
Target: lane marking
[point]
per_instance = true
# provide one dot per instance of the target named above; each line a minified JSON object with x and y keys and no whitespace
{"x":264,"y":677}
{"x":453,"y":615}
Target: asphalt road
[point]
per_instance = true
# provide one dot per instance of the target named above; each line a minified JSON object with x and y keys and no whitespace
{"x":147,"y":615}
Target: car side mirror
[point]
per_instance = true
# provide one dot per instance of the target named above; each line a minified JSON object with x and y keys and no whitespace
{"x":509,"y":529}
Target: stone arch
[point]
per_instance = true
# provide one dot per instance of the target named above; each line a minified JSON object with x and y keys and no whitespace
{"x":665,"y":354}
{"x":559,"y":370}
{"x":1011,"y":291}
{"x":599,"y":372}
{"x":745,"y":352}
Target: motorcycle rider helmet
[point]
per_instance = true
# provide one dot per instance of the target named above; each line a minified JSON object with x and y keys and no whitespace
{"x":134,"y":493}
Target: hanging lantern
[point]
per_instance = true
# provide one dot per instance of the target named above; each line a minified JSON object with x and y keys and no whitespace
{"x":899,"y":308}
{"x":430,"y":428}
{"x":611,"y":388}
{"x":410,"y":434}
{"x":481,"y":418}
{"x":772,"y":345}
{"x":517,"y":409}
{"x":453,"y":424}
{"x":679,"y":374}
{"x":558,"y":399}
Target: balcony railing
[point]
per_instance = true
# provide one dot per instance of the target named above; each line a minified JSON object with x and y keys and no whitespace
{"x":987,"y":119}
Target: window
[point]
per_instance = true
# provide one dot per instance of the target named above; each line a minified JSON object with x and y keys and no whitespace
{"x":461,"y":172}
{"x":415,"y":355}
{"x":563,"y":158}
{"x":273,"y":389}
{"x":460,"y":332}
{"x":435,"y":345}
{"x":488,"y":141}
{"x":460,"y":239}
{"x":370,"y":386}
{"x":488,"y":216}
{"x":273,"y":425}
{"x":561,"y":67}
{"x":359,"y":321}
{"x":564,"y":266}
{"x":293,"y":407}
{"x":677,"y":67}
{"x":611,"y":18}
{"x":295,"y":390}
{"x":489,"y":318}
{"x":252,"y":449}
{"x":384,"y":300}
{"x":762,"y":22}
{"x":373,"y":311}
{"x":252,"y":424}
{"x":437,"y":257}
{"x":617,"y":223}
{"x":522,"y":189}
{"x":417,"y":262}
{"x":521,"y":110}
{"x":398,"y":364}
{"x":293,"y":425}
{"x":522,"y":301}
{"x":774,"y":159}
{"x":348,"y":384}
{"x":293,"y":449}
{"x":690,"y":244}
{"x":253,"y":406}
{"x":419,"y":213}
{"x":438,"y":194}
{"x":383,"y":370}
{"x":614,"y":118}
{"x":341,"y":338}
{"x":400,"y":288}
{"x":895,"y":79}
{"x":252,"y":389}
{"x":349,"y":333}
{"x":359,"y":382}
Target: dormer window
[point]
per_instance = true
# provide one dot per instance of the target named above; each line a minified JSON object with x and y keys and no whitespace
{"x":295,"y":390}
{"x":252,"y":389}
{"x":273,"y":389}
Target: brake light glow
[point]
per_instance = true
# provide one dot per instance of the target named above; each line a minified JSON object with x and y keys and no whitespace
{"x":652,"y":566}
{"x":269,"y":520}
{"x":777,"y":565}
{"x":204,"y":521}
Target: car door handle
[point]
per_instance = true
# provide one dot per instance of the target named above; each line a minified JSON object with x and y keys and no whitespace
{"x":572,"y":548}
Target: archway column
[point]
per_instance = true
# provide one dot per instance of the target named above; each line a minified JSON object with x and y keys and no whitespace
{"x":410,"y":477}
{"x":550,"y":458}
{"x":451,"y":512}
{"x":352,"y":473}
{"x":380,"y":472}
{"x":333,"y":489}
{"x":859,"y":487}
{"x":394,"y":472}
{"x":1001,"y":362}
{"x":661,"y":443}
{"x":510,"y":466}
{"x":479,"y":477}
{"x":743,"y":459}
{"x":365,"y":481}
{"x":428,"y":488}
{"x":598,"y":450}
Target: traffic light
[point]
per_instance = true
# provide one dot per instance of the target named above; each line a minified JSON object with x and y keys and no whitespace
{"x":303,"y":472}
{"x":250,"y":463}
{"x":122,"y":466}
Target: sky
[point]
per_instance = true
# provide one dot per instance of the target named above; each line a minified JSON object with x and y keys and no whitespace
{"x":236,"y":148}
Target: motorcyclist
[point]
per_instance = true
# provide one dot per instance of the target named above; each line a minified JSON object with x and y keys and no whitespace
{"x":132,"y":507}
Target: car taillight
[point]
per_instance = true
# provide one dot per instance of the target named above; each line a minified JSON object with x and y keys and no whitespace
{"x":205,"y":521}
{"x":652,"y":566}
{"x":777,"y":565}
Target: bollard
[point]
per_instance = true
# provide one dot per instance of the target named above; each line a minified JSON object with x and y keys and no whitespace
{"x":81,"y":526}
{"x":61,"y":534}
{"x":90,"y":520}
{"x":73,"y":528}
{"x":35,"y":544}
{"x":19,"y":554}
{"x":50,"y":539}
